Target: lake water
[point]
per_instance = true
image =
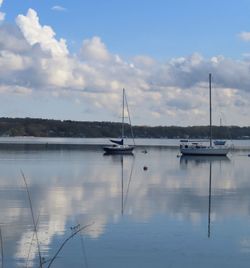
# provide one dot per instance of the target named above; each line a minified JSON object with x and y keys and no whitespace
{"x":234,"y":144}
{"x":147,"y":210}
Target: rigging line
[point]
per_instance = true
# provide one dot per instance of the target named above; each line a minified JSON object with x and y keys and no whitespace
{"x":123,"y":93}
{"x":129,"y":119}
{"x":222,"y":114}
{"x":219,"y":112}
{"x":217,"y":107}
{"x":130,"y":178}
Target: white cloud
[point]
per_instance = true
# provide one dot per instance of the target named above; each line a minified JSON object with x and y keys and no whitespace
{"x":245,"y":36}
{"x":15,"y":89}
{"x":12,"y":62}
{"x":94,"y":49}
{"x":11,"y":39}
{"x":42,"y":35}
{"x":143,"y":61}
{"x":2,"y":15}
{"x":58,"y":8}
{"x":32,"y":57}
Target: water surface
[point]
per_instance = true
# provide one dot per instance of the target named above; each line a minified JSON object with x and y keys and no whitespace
{"x":146,"y":210}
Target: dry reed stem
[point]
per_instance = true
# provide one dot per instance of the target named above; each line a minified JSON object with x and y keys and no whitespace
{"x":65,"y":241}
{"x":33,"y":219}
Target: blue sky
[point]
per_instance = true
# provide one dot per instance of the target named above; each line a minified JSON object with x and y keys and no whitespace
{"x":158,"y":28}
{"x":160,"y":51}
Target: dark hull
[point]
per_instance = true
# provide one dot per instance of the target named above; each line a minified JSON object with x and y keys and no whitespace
{"x":118,"y":150}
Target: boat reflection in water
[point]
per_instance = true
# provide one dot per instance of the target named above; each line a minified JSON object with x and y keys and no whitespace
{"x":125,"y":182}
{"x":209,"y":199}
{"x":196,"y":159}
{"x":186,"y":160}
{"x":125,"y":187}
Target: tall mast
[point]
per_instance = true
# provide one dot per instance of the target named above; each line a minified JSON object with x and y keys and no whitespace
{"x":123,"y":113}
{"x":210,"y":109}
{"x":130,"y":123}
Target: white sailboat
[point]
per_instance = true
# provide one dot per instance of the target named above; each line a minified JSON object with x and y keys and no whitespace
{"x":196,"y":148}
{"x":118,"y":146}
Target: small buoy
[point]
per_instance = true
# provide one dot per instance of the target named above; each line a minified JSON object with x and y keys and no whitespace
{"x":249,"y":155}
{"x":145,"y":151}
{"x":145,"y":168}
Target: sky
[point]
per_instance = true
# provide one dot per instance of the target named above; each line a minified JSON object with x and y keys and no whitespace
{"x":70,"y":60}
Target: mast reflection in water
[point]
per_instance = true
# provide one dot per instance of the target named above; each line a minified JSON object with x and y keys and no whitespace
{"x":197,"y":160}
{"x":155,"y":218}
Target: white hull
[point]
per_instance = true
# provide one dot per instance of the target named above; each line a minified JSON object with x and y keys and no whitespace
{"x":213,"y":151}
{"x":194,"y":148}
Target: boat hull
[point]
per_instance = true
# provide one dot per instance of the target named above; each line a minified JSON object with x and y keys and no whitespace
{"x":118,"y":150}
{"x":208,"y":151}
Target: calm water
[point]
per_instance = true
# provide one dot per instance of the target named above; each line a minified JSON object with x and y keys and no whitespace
{"x":191,"y":212}
{"x":234,"y":144}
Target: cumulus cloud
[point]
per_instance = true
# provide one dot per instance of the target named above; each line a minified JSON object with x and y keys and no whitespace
{"x":42,"y":35}
{"x":143,"y":61}
{"x":58,"y":8}
{"x":12,"y":39}
{"x":33,"y":58}
{"x":245,"y":36}
{"x":2,"y":15}
{"x":94,"y":49}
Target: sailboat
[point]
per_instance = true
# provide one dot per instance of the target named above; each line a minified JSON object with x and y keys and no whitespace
{"x":196,"y":148}
{"x":118,"y":146}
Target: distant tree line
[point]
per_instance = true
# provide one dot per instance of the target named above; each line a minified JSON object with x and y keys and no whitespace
{"x":67,"y":128}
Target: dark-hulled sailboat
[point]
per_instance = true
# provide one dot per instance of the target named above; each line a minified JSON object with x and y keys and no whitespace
{"x":119,"y":147}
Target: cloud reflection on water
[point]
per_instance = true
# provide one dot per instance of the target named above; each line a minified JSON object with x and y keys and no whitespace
{"x":84,"y":186}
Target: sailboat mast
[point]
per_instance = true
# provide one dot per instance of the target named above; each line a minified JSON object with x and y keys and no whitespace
{"x":210,"y":109}
{"x":123,"y":112}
